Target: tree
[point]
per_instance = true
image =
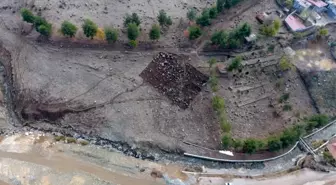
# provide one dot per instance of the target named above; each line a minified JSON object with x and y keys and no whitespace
{"x":271,"y":30}
{"x":288,"y":137}
{"x":244,"y":30}
{"x":89,"y":28}
{"x":235,"y":64}
{"x":250,"y":146}
{"x":220,"y":5}
{"x":45,"y":29}
{"x":218,"y":103}
{"x":194,"y":32}
{"x":320,"y":119}
{"x":277,"y":24}
{"x":133,"y":31}
{"x":38,"y":21}
{"x":68,"y":29}
{"x":163,"y":19}
{"x":191,"y":14}
{"x":111,"y":35}
{"x":274,"y":144}
{"x":154,"y":33}
{"x":237,"y":144}
{"x":285,"y":64}
{"x":134,"y":18}
{"x":27,"y":15}
{"x":228,"y":4}
{"x":133,"y":43}
{"x":213,"y":12}
{"x":204,"y":19}
{"x":226,"y":141}
{"x":213,"y":83}
{"x":289,"y":3}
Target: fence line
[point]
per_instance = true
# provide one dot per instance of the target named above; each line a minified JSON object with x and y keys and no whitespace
{"x":259,"y":160}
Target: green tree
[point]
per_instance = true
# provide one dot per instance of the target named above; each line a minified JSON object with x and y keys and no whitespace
{"x":27,"y":15}
{"x":154,"y":33}
{"x":68,"y":29}
{"x":228,"y":4}
{"x":38,"y":21}
{"x":220,"y":5}
{"x":45,"y":29}
{"x":236,"y":64}
{"x":285,"y":64}
{"x":289,"y":3}
{"x":133,"y":43}
{"x":213,"y":12}
{"x":163,"y":19}
{"x":213,"y":83}
{"x":277,"y":24}
{"x":250,"y":146}
{"x":90,"y":28}
{"x":134,"y":18}
{"x":244,"y":30}
{"x":274,"y":144}
{"x":237,"y":144}
{"x":204,"y":19}
{"x":191,"y":14}
{"x":194,"y":32}
{"x":320,"y":119}
{"x":111,"y":35}
{"x":218,"y":103}
{"x":288,"y":137}
{"x":226,"y":141}
{"x":133,"y":31}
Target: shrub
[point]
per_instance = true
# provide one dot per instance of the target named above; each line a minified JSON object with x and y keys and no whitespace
{"x":213,"y":12}
{"x":250,"y":146}
{"x":134,"y":18}
{"x":289,"y":3}
{"x":226,"y":141}
{"x":163,"y":19}
{"x":225,"y":126}
{"x":133,"y":43}
{"x":213,"y":83}
{"x":100,"y":34}
{"x":204,"y":19}
{"x":45,"y":29}
{"x":38,"y":21}
{"x":287,"y":107}
{"x":323,"y":32}
{"x":68,"y":29}
{"x":284,"y":98}
{"x":154,"y":33}
{"x":191,"y":14}
{"x":111,"y":35}
{"x":237,"y":144}
{"x":89,"y":28}
{"x":317,"y":143}
{"x":133,"y":31}
{"x":288,"y":137}
{"x":285,"y":64}
{"x":274,"y":144}
{"x":212,"y":62}
{"x":27,"y":15}
{"x":320,"y":119}
{"x":271,"y":30}
{"x":235,"y":64}
{"x":311,"y":125}
{"x":194,"y":32}
{"x":70,"y":140}
{"x":218,"y":104}
{"x":59,"y":138}
{"x":232,"y":39}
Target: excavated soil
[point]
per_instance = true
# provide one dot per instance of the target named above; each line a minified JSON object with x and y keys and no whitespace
{"x":175,"y":78}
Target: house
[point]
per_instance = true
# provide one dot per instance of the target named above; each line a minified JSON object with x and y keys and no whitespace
{"x":294,"y":23}
{"x":318,"y":5}
{"x":331,"y":10}
{"x":301,"y":5}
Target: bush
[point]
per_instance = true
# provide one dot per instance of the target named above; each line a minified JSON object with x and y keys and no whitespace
{"x":154,"y":33}
{"x":133,"y":43}
{"x":284,"y":98}
{"x":287,"y":107}
{"x":70,"y":140}
{"x":285,"y":64}
{"x":213,"y":83}
{"x":134,"y":18}
{"x":111,"y":35}
{"x":320,"y":119}
{"x":38,"y":21}
{"x":235,"y":64}
{"x":89,"y":28}
{"x":271,"y":30}
{"x":68,"y":29}
{"x":212,"y":62}
{"x":133,"y":31}
{"x":237,"y":144}
{"x":323,"y":32}
{"x":289,"y":3}
{"x":45,"y":29}
{"x":225,"y":126}
{"x":204,"y":19}
{"x":218,"y":104}
{"x":274,"y":144}
{"x":163,"y":19}
{"x":100,"y":34}
{"x":226,"y":141}
{"x":288,"y":137}
{"x":250,"y":146}
{"x":232,"y":39}
{"x":27,"y":15}
{"x":194,"y":32}
{"x":213,"y":12}
{"x":191,"y":14}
